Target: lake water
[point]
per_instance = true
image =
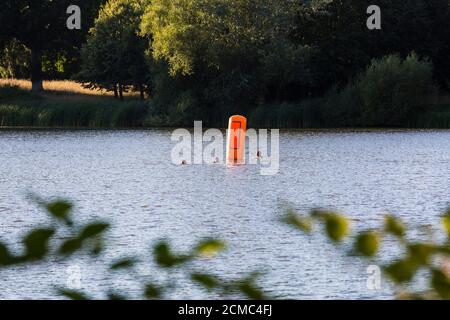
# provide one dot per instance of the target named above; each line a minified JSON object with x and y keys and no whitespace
{"x":127,"y":178}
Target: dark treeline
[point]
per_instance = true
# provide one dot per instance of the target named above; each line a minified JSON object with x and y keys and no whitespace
{"x":284,"y":63}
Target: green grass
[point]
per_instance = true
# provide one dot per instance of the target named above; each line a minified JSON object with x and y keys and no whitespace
{"x":19,"y":107}
{"x":315,"y":113}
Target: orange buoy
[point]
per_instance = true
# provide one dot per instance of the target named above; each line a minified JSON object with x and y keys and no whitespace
{"x":237,"y":128}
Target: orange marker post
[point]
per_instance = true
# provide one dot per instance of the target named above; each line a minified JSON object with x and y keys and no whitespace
{"x":237,"y":128}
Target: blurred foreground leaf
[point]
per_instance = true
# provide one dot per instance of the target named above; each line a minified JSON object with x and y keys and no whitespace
{"x":401,"y":271}
{"x":394,"y":226}
{"x":368,"y":243}
{"x":207,"y":281}
{"x":5,"y":256}
{"x":73,"y":294}
{"x":123,"y":264}
{"x":60,"y":210}
{"x":70,"y":246}
{"x":446,"y":222}
{"x":250,"y":290}
{"x":89,"y":232}
{"x":209,"y":247}
{"x":304,"y":224}
{"x":116,"y":296}
{"x":165,"y":258}
{"x":420,"y":253}
{"x":336,"y":225}
{"x":152,"y":291}
{"x":93,"y":230}
{"x":36,"y":243}
{"x":441,"y":284}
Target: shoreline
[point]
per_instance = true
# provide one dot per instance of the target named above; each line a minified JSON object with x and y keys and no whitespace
{"x":337,"y":129}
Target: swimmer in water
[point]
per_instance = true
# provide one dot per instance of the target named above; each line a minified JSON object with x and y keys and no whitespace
{"x":184,"y":162}
{"x":258,"y":155}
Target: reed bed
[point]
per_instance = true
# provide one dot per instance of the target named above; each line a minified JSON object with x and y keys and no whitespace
{"x":19,"y":107}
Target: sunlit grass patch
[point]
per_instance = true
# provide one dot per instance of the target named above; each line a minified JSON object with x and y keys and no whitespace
{"x":66,"y":106}
{"x":65,"y":87}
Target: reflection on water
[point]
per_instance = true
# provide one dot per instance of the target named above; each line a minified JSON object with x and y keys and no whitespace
{"x":126,"y":177}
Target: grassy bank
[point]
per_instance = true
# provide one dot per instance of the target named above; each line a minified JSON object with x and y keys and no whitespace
{"x":316,"y":113}
{"x":66,"y":104}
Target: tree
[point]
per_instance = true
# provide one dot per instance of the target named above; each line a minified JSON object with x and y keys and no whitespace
{"x":14,"y":60}
{"x":391,"y":92}
{"x":223,"y":53}
{"x":395,"y":91}
{"x":114,"y":56}
{"x":41,"y":27}
{"x":338,"y":29}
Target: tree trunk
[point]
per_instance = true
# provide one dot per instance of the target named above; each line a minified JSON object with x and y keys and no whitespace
{"x":116,"y":94}
{"x":120,"y":91}
{"x":36,"y":70}
{"x":141,"y":90}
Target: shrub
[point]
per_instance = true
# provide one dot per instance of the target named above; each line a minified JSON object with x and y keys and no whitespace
{"x":391,"y":92}
{"x":305,"y":114}
{"x":394,"y":91}
{"x":342,"y":108}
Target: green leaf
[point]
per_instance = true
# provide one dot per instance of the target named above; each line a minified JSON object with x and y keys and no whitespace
{"x":164,"y":256}
{"x":336,"y":225}
{"x":302,"y":223}
{"x":368,"y":243}
{"x":70,"y":246}
{"x":97,"y":248}
{"x":421,"y":253}
{"x":441,"y":284}
{"x":446,"y":223}
{"x":73,"y":294}
{"x":89,"y":231}
{"x":206,"y":280}
{"x":5,"y":256}
{"x":152,"y":291}
{"x":394,"y":226}
{"x":93,"y":230}
{"x":60,"y":210}
{"x":444,"y":249}
{"x":116,"y":296}
{"x":249,"y":289}
{"x":123,"y":264}
{"x":36,"y":243}
{"x":209,"y":248}
{"x":401,"y":271}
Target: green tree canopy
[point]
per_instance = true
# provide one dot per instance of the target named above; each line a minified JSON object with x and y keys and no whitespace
{"x":114,"y":55}
{"x":41,"y":27}
{"x":236,"y":53}
{"x":338,"y":28}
